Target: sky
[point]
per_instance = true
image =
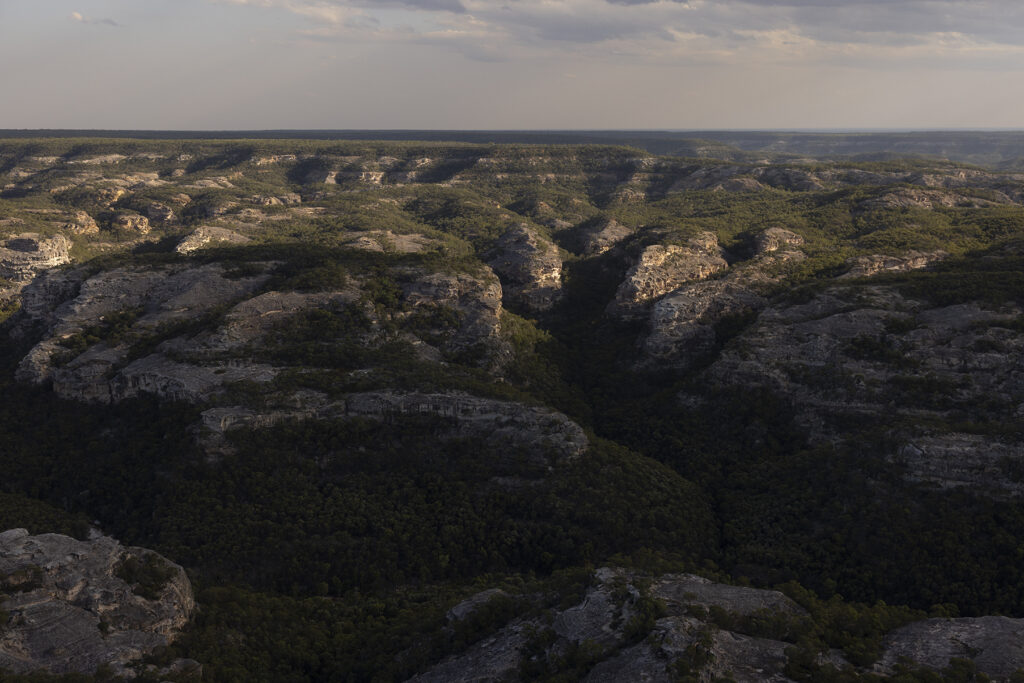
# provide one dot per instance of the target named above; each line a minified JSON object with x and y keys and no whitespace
{"x":511,"y":64}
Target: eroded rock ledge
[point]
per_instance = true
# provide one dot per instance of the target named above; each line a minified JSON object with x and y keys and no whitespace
{"x":76,"y":605}
{"x":511,"y":427}
{"x":22,"y":257}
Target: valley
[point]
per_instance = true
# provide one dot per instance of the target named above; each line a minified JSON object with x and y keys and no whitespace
{"x":448,"y":411}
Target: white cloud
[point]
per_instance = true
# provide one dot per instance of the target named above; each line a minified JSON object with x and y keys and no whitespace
{"x":82,"y":19}
{"x":675,"y":31}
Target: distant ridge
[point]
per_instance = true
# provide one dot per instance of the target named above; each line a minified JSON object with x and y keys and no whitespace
{"x":988,"y":148}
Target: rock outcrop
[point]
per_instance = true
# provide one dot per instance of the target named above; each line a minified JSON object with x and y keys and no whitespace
{"x":76,"y":605}
{"x":388,"y":241}
{"x":869,"y":354}
{"x":158,"y":212}
{"x":24,"y":256}
{"x":131,"y":223}
{"x":601,"y":236}
{"x":774,"y":239}
{"x":541,"y":435}
{"x":682,"y":325}
{"x":600,"y":622}
{"x":147,"y":301}
{"x":912,"y":197}
{"x":661,"y":269}
{"x":708,"y":631}
{"x":209,"y":236}
{"x":81,"y":223}
{"x":994,"y":644}
{"x":866,"y":266}
{"x":530,"y":268}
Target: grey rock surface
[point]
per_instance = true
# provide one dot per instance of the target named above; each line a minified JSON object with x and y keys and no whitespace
{"x":470,"y":605}
{"x":680,"y":590}
{"x":209,"y":236}
{"x":81,"y":223}
{"x":131,"y":223}
{"x":541,"y":435}
{"x":599,"y":624}
{"x":530,"y":268}
{"x":776,"y":238}
{"x":994,"y":644}
{"x":24,"y":256}
{"x":681,"y":325}
{"x":661,"y":269}
{"x":71,"y":612}
{"x":866,"y":266}
{"x":157,"y":298}
{"x":602,"y":236}
{"x":872,"y":355}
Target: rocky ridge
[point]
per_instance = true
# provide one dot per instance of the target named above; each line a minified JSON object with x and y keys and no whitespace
{"x":873,"y":354}
{"x":512,"y":429}
{"x":687,"y":636}
{"x":94,"y":328}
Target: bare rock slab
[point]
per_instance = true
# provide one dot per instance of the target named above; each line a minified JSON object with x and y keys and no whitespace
{"x":71,"y":608}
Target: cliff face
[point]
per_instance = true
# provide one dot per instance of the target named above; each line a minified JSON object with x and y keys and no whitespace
{"x":530,"y":266}
{"x":681,"y":325}
{"x":24,"y":256}
{"x":878,"y":358}
{"x":661,"y":269}
{"x":90,"y":350}
{"x":73,"y":606}
{"x":540,"y":436}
